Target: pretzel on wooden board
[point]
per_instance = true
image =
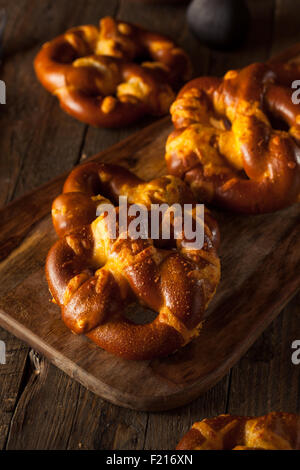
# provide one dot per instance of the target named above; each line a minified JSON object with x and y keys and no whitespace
{"x":93,"y":276}
{"x":224,"y":144}
{"x":96,"y":74}
{"x":274,"y":431}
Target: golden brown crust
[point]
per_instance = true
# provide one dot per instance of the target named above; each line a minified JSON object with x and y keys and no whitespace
{"x":94,"y":275}
{"x":224,"y":144}
{"x":274,"y":431}
{"x":93,"y":72}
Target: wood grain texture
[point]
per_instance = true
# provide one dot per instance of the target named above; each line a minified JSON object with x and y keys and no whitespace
{"x":95,"y":422}
{"x":11,"y":376}
{"x":266,"y":378}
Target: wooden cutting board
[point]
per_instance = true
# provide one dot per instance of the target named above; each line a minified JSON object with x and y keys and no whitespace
{"x":260,"y":258}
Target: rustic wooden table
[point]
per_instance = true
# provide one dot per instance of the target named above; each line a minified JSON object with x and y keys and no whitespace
{"x":40,"y":406}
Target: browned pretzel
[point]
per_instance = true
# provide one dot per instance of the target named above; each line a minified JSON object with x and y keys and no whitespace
{"x":112,"y":75}
{"x":274,"y":431}
{"x":286,"y":72}
{"x":94,"y":275}
{"x":224,"y":144}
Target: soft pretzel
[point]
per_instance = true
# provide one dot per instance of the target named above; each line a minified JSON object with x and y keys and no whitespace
{"x":274,"y":431}
{"x":224,"y":144}
{"x":93,"y":276}
{"x":286,"y":72}
{"x":112,"y":75}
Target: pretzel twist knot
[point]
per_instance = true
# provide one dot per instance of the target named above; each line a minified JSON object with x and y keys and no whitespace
{"x":96,"y":76}
{"x":94,"y":275}
{"x":274,"y":431}
{"x":224,"y":144}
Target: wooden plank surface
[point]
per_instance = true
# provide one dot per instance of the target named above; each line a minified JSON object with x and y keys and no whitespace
{"x":260,"y":259}
{"x":109,"y":426}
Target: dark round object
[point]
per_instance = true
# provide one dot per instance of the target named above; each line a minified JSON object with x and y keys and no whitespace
{"x":221,"y":24}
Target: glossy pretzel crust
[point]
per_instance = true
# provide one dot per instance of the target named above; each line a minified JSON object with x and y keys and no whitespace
{"x":93,"y":275}
{"x":274,"y":431}
{"x":96,"y":75}
{"x":225,"y":146}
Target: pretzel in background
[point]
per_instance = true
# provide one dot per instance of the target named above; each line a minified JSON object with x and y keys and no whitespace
{"x":229,"y":144}
{"x":274,"y":431}
{"x":112,"y":75}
